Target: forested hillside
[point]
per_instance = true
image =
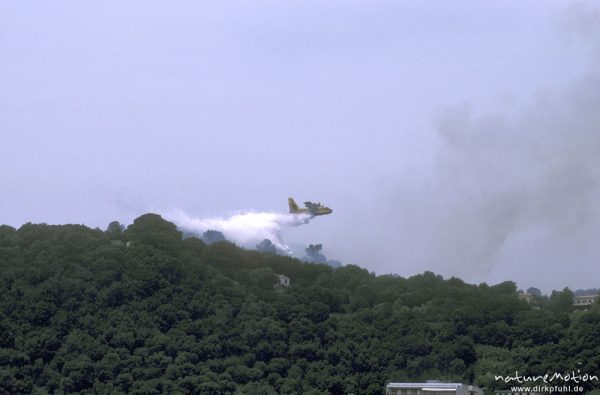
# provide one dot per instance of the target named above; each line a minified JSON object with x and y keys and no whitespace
{"x":144,"y":311}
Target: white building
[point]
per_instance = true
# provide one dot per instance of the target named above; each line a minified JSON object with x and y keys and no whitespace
{"x":584,"y":300}
{"x":526,"y":297}
{"x":432,"y":388}
{"x":284,"y":281}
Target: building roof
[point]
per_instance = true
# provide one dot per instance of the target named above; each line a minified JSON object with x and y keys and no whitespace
{"x":434,"y":385}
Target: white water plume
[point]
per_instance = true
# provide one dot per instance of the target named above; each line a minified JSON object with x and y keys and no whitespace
{"x":245,"y":229}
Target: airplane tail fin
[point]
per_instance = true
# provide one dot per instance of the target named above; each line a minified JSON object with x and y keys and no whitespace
{"x":293,"y":206}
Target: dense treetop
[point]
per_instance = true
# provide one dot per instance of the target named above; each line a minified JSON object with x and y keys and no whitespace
{"x":142,"y":310}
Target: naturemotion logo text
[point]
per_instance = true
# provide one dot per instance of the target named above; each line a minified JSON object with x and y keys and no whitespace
{"x":575,"y":377}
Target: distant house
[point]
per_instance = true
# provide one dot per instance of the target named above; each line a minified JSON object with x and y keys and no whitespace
{"x":432,"y":388}
{"x":584,"y":301}
{"x":526,"y":297}
{"x":284,"y":281}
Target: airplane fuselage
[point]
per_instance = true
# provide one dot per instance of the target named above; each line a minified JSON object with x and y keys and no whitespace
{"x":314,"y":213}
{"x":312,"y":209}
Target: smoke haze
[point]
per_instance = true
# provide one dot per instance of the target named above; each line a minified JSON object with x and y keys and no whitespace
{"x":512,"y":194}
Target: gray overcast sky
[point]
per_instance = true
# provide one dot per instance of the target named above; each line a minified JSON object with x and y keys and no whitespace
{"x":457,"y":137}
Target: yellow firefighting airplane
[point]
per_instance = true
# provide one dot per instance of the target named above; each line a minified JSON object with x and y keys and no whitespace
{"x":313,"y":209}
